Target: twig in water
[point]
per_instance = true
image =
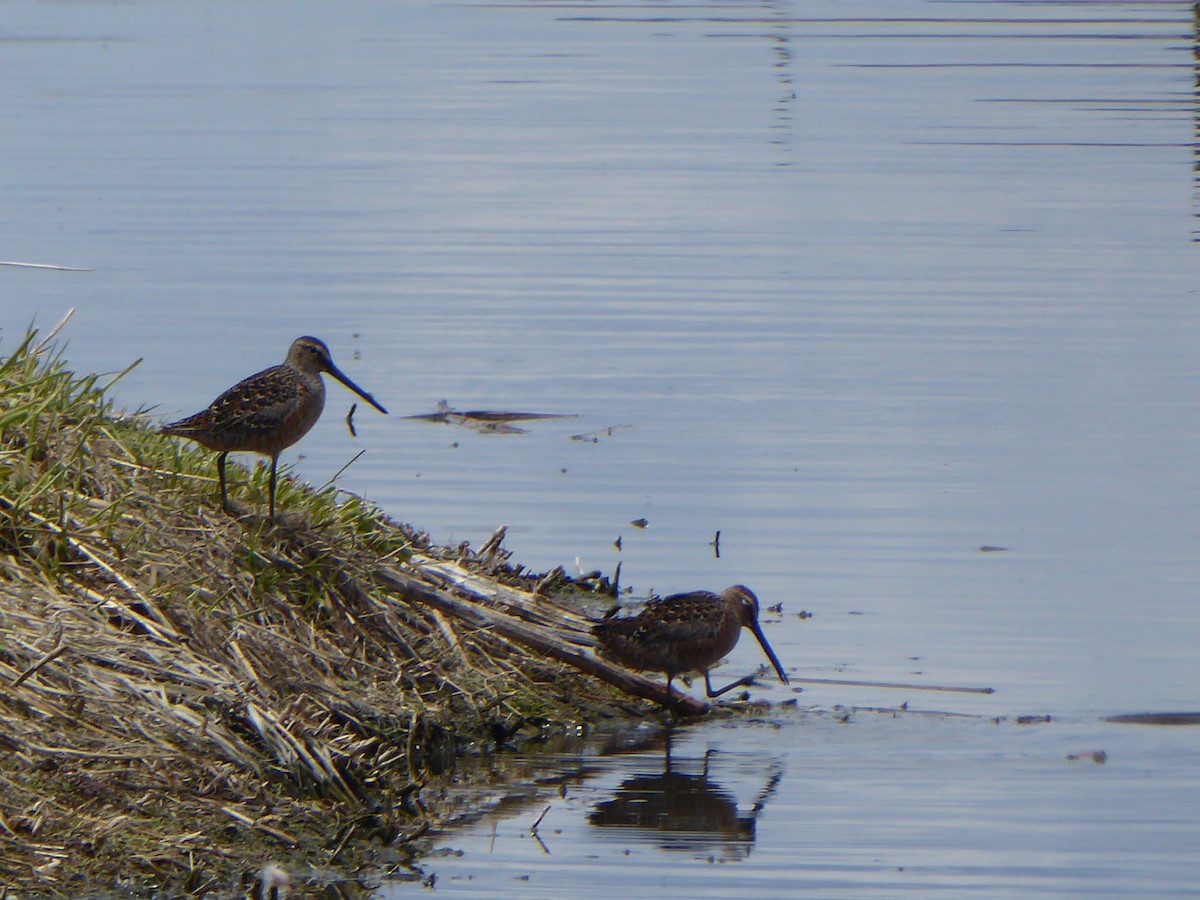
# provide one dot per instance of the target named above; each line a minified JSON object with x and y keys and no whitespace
{"x":533,"y":831}
{"x":350,"y":420}
{"x":28,"y":265}
{"x":899,"y":685}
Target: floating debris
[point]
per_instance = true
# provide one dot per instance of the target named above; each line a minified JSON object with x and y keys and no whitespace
{"x":593,"y":437}
{"x":1099,"y":757}
{"x":907,"y":686}
{"x":640,"y":523}
{"x":486,"y":421}
{"x":988,"y":548}
{"x":1161,"y":718}
{"x":30,"y":265}
{"x":538,"y":821}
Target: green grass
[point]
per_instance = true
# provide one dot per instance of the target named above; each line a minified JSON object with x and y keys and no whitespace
{"x":182,"y":691}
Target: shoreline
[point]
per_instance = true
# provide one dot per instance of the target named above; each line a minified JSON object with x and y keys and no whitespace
{"x":185,"y":694}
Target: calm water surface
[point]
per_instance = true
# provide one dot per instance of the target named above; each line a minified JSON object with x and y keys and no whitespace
{"x":872,"y":284}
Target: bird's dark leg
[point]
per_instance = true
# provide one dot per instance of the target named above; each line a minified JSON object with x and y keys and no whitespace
{"x":221,"y":478}
{"x":271,"y":501}
{"x":741,"y":682}
{"x":668,"y":704}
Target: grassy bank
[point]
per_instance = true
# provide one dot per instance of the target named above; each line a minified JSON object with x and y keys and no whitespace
{"x":185,"y":695}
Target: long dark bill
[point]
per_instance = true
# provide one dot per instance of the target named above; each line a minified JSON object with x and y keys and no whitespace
{"x":341,"y":376}
{"x":762,"y":639}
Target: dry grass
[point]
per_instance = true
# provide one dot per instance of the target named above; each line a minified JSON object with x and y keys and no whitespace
{"x":184,"y":694}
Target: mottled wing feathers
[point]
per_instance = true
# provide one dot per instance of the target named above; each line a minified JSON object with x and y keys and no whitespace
{"x":251,"y":415}
{"x":259,"y":402}
{"x":680,"y":633}
{"x":668,"y":620}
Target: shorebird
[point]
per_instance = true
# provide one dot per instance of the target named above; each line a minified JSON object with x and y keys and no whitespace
{"x":267,"y":412}
{"x":686,"y":633}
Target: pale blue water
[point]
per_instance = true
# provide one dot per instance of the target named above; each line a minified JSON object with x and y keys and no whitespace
{"x":878,"y":807}
{"x":874,"y":283}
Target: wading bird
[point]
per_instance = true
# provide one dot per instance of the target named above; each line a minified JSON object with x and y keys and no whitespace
{"x":686,"y":633}
{"x":267,"y":412}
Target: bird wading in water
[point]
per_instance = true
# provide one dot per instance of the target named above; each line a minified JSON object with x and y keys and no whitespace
{"x":686,"y":633}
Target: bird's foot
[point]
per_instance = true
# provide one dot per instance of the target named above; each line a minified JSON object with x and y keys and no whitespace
{"x":748,"y":681}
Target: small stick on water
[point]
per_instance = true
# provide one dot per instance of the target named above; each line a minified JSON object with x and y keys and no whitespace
{"x":715,"y":543}
{"x":898,"y":685}
{"x":29,"y":265}
{"x":533,"y":831}
{"x":350,"y":420}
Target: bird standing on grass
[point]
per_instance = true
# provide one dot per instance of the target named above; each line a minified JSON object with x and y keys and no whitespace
{"x":267,"y":412}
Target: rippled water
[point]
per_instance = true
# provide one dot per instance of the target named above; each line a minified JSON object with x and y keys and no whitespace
{"x":872,"y":284}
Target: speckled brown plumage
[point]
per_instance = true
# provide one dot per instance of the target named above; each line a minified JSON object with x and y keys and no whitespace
{"x":269,"y":411}
{"x":686,"y":633}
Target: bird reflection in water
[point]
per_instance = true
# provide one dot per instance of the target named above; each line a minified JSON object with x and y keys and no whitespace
{"x":679,"y":811}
